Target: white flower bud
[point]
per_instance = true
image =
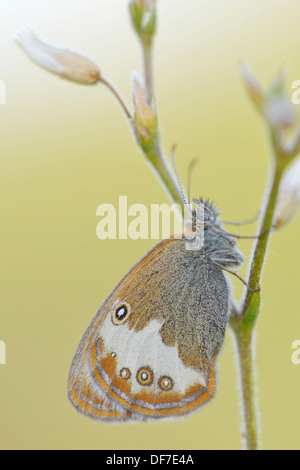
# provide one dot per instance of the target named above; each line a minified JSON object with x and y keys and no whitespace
{"x":279,"y":112}
{"x":142,"y":108}
{"x":59,"y":60}
{"x":289,"y":196}
{"x":144,"y":115}
{"x":252,"y":85}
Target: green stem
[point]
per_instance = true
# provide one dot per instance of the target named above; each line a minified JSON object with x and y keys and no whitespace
{"x":117,"y":95}
{"x":155,"y":155}
{"x":260,"y":250}
{"x":147,"y":58}
{"x":244,"y":322}
{"x":162,"y":169}
{"x":243,"y":336}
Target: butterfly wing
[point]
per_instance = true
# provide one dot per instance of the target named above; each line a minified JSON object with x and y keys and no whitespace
{"x":87,"y":401}
{"x":87,"y":398}
{"x":150,"y":350}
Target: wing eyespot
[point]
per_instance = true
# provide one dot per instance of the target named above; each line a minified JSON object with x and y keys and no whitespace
{"x":165,"y":383}
{"x":125,"y":373}
{"x":144,"y":376}
{"x":121,"y":314}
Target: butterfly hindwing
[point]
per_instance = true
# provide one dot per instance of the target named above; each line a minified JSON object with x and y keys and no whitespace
{"x":150,"y":350}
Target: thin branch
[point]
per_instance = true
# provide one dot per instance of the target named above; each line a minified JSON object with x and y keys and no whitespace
{"x":117,"y":95}
{"x":246,"y":364}
{"x":147,"y":58}
{"x":243,"y":323}
{"x":156,"y":155}
{"x":163,"y":171}
{"x":260,"y":250}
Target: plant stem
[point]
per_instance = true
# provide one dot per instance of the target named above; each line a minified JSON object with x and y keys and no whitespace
{"x":147,"y":58}
{"x":117,"y":95}
{"x":262,"y":243}
{"x":243,"y":336}
{"x":162,"y":169}
{"x":243,"y":323}
{"x":155,"y":155}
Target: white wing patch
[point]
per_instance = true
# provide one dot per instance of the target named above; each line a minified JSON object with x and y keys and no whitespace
{"x":145,"y":349}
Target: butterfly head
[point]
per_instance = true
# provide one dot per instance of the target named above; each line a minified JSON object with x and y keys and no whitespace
{"x":205,"y":220}
{"x":208,"y":213}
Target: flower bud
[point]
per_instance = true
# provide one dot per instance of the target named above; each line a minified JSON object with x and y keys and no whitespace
{"x":292,"y":147}
{"x":143,"y":17}
{"x":144,"y":116}
{"x":252,"y":85}
{"x":136,"y":9}
{"x":279,"y":111}
{"x":288,"y":200}
{"x":59,"y":60}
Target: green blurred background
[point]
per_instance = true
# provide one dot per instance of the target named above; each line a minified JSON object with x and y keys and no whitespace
{"x":65,"y":149}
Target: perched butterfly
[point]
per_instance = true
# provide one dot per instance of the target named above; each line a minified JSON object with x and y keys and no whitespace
{"x":150,"y":351}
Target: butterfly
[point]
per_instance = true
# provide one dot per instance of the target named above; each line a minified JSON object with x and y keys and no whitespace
{"x":151,"y":349}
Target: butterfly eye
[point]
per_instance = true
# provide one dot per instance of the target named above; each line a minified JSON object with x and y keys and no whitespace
{"x":121,"y":314}
{"x":125,"y":373}
{"x":144,"y":376}
{"x":165,"y":383}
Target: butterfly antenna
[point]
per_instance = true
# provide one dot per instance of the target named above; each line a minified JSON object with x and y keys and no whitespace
{"x":177,"y":176}
{"x":190,"y":170}
{"x":242,"y":222}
